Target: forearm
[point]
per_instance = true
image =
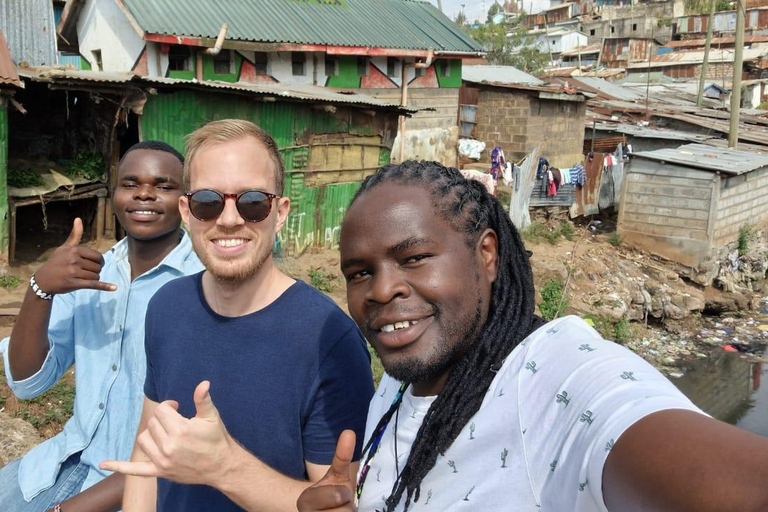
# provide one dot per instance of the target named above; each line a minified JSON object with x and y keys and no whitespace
{"x":29,"y":339}
{"x":140,"y":493}
{"x":105,"y":496}
{"x":255,"y":486}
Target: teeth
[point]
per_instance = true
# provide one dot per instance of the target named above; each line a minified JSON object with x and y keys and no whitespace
{"x":233,"y":242}
{"x":398,"y":325}
{"x":145,"y":212}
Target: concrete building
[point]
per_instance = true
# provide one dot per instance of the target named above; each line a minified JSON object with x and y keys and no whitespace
{"x":688,"y":204}
{"x":390,"y":49}
{"x":519,"y":113}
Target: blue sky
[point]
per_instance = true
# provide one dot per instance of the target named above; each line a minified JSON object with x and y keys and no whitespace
{"x":478,"y":9}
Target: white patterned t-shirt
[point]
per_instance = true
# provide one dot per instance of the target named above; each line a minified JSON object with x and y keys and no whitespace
{"x":543,"y":432}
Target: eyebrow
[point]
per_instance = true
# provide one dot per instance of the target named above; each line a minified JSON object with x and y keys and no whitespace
{"x":158,"y":179}
{"x":392,"y":249}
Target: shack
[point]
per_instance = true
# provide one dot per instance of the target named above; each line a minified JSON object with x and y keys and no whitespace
{"x":520,"y":112}
{"x":688,"y":204}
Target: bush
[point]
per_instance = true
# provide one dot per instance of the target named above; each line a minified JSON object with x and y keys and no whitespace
{"x":9,"y":282}
{"x":553,"y":299}
{"x":566,"y":229}
{"x":746,"y":235}
{"x":322,"y":281}
{"x":615,"y":239}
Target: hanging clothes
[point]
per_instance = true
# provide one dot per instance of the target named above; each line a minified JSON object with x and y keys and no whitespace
{"x":566,"y":176}
{"x":541,"y":171}
{"x":551,"y":188}
{"x":578,"y":175}
{"x":498,"y":162}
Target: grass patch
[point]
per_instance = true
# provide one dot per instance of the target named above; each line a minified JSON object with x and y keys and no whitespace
{"x":621,"y":332}
{"x":615,"y":239}
{"x":537,"y":233}
{"x":567,"y":230}
{"x":746,"y":235}
{"x":553,"y":299}
{"x":48,"y":412}
{"x":323,"y":281}
{"x":9,"y":282}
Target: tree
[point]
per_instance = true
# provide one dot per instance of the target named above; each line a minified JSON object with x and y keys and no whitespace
{"x":508,"y":44}
{"x":461,"y":19}
{"x":496,"y":7}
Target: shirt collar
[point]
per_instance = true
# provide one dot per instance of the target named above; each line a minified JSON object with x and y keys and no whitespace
{"x":174,"y":259}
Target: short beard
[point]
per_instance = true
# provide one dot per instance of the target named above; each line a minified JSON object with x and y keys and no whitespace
{"x":235,"y":275}
{"x":415,"y":370}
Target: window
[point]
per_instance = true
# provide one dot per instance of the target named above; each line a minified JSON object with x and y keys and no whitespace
{"x":613,"y":30}
{"x":331,"y":66}
{"x":419,"y":72}
{"x":97,"y":62}
{"x":592,"y":32}
{"x":392,"y":66}
{"x":298,"y":61}
{"x":445,"y":68}
{"x":260,"y":61}
{"x":179,"y":58}
{"x":362,"y":66}
{"x":224,"y":63}
{"x":634,"y":27}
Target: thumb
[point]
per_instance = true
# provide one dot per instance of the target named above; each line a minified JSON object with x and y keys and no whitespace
{"x":76,"y":234}
{"x":203,"y":403}
{"x":338,"y":473}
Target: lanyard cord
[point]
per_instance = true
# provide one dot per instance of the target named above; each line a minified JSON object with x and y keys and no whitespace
{"x":372,"y":446}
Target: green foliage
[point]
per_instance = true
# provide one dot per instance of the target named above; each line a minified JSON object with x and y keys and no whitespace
{"x":496,"y":7}
{"x":377,"y":369}
{"x":615,"y":239}
{"x":49,"y":411}
{"x":322,"y":281}
{"x":746,"y":235}
{"x":703,"y":6}
{"x":553,"y":299}
{"x":461,"y":19}
{"x":9,"y":282}
{"x":508,"y":44}
{"x":23,"y":178}
{"x":621,"y":332}
{"x":86,"y":164}
{"x":537,"y":232}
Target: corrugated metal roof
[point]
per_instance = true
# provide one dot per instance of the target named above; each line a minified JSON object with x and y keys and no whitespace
{"x":8,"y":75}
{"x":29,"y":30}
{"x":708,"y":158}
{"x":606,"y":88}
{"x":696,"y":57}
{"x":403,"y":24}
{"x":500,"y":74}
{"x":293,"y":92}
{"x":648,"y":132}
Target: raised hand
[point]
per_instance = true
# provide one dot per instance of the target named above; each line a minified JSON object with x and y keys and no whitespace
{"x":188,"y":451}
{"x":334,"y":491}
{"x":72,"y":267}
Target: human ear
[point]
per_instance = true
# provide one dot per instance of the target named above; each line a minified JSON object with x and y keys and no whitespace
{"x":488,"y":252}
{"x":184,"y":210}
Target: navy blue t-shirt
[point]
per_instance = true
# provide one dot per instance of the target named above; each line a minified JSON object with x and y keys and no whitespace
{"x":286,"y":379}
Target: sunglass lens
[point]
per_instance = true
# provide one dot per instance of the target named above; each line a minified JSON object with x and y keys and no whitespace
{"x":254,"y":206}
{"x":206,"y":204}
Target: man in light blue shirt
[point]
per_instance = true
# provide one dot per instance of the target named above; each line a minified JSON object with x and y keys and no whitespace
{"x":96,"y":322}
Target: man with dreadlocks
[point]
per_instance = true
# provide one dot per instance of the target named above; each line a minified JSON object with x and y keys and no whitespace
{"x":484,"y":407}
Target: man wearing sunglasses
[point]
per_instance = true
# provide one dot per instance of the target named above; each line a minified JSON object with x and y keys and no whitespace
{"x":286,"y":368}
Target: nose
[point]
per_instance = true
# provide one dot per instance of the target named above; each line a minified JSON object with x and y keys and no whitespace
{"x":386,"y":285}
{"x":145,"y":193}
{"x":230,"y":217}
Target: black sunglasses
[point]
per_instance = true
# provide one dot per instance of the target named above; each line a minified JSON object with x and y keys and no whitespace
{"x":252,"y":205}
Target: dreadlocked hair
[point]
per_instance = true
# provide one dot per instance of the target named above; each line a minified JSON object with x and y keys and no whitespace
{"x":469,"y":209}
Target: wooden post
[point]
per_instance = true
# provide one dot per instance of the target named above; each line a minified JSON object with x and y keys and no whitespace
{"x":738,"y":66}
{"x":100,"y":215}
{"x":705,"y":63}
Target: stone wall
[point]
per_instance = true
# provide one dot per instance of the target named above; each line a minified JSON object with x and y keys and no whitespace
{"x":518,"y":120}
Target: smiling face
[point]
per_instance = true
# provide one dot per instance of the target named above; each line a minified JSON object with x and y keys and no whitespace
{"x":231,"y":248}
{"x":416,"y":289}
{"x":146,"y":199}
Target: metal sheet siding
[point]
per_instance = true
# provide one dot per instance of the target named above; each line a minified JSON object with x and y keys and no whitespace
{"x":402,"y":24}
{"x":4,"y":225}
{"x":316,"y":212}
{"x":29,"y":31}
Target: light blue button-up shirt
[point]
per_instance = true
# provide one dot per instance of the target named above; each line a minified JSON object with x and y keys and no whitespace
{"x":102,"y":333}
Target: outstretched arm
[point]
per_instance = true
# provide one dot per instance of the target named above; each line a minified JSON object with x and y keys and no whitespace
{"x":201,"y":451}
{"x":678,"y":460}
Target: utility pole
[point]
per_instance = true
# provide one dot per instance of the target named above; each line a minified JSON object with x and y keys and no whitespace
{"x":440,"y":5}
{"x":703,"y":77}
{"x":738,"y":66}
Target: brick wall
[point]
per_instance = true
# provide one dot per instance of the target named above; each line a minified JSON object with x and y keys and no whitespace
{"x":518,"y":121}
{"x":742,"y":200}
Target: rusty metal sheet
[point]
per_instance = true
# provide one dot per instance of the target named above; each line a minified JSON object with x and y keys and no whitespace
{"x":586,"y":197}
{"x":8,"y":75}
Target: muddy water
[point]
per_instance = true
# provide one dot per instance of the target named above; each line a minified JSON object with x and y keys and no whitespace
{"x":731,"y":388}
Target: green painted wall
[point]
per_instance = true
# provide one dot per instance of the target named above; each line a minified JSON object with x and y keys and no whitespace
{"x":4,"y":221}
{"x":454,"y":78}
{"x":316,"y":212}
{"x":208,"y":73}
{"x":347,"y":77}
